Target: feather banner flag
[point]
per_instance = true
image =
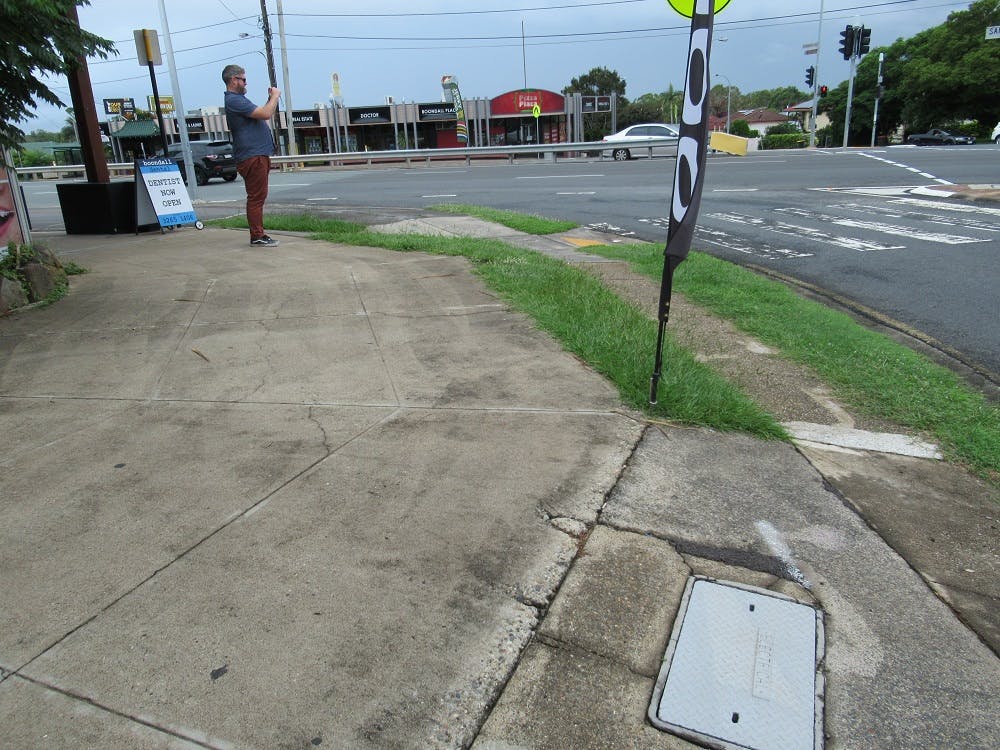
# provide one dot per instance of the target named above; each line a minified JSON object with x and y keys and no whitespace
{"x":692,"y":148}
{"x":450,"y":86}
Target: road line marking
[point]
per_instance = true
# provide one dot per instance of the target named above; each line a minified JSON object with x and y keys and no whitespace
{"x":592,"y":192}
{"x":930,"y":218}
{"x":558,"y":176}
{"x":909,"y":169}
{"x":321,"y":199}
{"x":873,"y":226}
{"x":795,"y":230}
{"x":959,"y":207}
{"x":441,"y":195}
{"x":757,"y":249}
{"x":736,"y":190}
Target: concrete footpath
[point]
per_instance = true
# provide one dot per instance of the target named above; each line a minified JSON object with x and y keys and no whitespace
{"x":331,"y":496}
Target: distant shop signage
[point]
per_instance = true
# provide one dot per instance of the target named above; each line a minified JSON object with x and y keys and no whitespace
{"x":123,"y":107}
{"x":436,"y":111}
{"x":195,"y":124}
{"x":596,"y":103}
{"x":520,"y":103}
{"x":305,"y":117}
{"x":528,"y":100}
{"x":166,"y":104}
{"x":368,"y":115}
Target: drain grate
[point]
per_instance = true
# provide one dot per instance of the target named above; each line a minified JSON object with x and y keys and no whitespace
{"x":742,"y":670}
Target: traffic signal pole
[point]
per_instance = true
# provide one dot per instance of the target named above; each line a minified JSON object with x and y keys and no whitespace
{"x":850,"y":99}
{"x":819,"y":47}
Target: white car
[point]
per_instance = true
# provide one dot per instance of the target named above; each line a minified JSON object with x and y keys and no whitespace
{"x":995,"y":135}
{"x":624,"y":142}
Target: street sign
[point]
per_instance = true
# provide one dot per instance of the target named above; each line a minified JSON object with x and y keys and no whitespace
{"x":993,"y":32}
{"x":536,"y":111}
{"x":165,"y":194}
{"x":147,"y":47}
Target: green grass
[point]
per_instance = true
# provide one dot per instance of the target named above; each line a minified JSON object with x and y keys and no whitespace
{"x":521,"y":222}
{"x":865,"y":369}
{"x":612,"y":336}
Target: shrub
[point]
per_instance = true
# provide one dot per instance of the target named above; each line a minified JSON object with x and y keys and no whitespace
{"x":789,"y":140}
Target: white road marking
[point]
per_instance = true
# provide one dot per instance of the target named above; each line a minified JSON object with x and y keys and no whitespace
{"x":930,"y":218}
{"x":873,"y":226}
{"x":441,"y":195}
{"x":882,"y":159}
{"x":760,"y":250}
{"x":735,"y":190}
{"x":321,"y":199}
{"x":964,"y":208}
{"x":592,"y":192}
{"x":794,"y":230}
{"x":557,"y":176}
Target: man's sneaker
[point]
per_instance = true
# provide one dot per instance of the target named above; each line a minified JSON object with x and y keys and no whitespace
{"x":264,"y":241}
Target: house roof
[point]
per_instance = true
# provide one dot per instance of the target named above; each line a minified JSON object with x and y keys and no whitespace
{"x":807,"y":105}
{"x":137,"y":129}
{"x":761,"y":115}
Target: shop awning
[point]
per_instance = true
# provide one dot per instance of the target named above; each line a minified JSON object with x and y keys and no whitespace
{"x":138,"y":129}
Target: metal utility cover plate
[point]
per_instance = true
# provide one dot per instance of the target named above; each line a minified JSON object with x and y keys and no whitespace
{"x":741,"y":670}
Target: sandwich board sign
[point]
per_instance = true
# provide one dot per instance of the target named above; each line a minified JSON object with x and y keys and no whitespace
{"x":165,"y":200}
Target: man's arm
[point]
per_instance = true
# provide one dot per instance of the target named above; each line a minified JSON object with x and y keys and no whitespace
{"x":266,"y":111}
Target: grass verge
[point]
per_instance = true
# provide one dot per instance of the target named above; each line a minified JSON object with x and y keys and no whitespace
{"x":865,"y":369}
{"x":612,"y":336}
{"x":522,"y":222}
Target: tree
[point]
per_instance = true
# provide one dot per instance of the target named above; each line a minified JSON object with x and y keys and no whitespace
{"x":937,"y":78}
{"x":39,"y":39}
{"x":598,"y":82}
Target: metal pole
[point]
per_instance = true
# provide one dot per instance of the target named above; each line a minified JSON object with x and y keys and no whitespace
{"x":524,"y":59}
{"x":850,"y":92}
{"x":819,"y":47}
{"x":272,"y":77}
{"x":878,"y":95}
{"x":179,"y":110}
{"x":293,"y":146}
{"x":159,"y":110}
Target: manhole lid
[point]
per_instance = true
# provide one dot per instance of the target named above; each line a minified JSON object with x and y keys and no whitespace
{"x":742,"y":670}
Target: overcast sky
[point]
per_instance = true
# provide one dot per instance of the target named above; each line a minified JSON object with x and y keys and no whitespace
{"x":385,"y":48}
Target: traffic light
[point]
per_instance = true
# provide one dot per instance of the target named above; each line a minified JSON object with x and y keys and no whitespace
{"x":847,"y":42}
{"x":810,"y":76}
{"x":822,"y":91}
{"x":864,"y":40}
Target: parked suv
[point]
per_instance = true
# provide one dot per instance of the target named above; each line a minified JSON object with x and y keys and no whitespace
{"x":211,"y":159}
{"x":995,"y":135}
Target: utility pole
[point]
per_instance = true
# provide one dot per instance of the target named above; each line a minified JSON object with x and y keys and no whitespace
{"x":819,"y":43}
{"x":293,"y":147}
{"x":272,"y":77}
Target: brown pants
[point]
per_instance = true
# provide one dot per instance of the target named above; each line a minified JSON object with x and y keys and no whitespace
{"x":255,"y":172}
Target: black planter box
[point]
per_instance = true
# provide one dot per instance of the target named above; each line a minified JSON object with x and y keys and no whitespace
{"x":97,"y":207}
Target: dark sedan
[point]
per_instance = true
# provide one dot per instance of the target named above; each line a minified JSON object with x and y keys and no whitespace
{"x":938,"y":137}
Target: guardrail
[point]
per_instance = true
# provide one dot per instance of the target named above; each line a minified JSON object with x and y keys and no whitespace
{"x":547,"y":151}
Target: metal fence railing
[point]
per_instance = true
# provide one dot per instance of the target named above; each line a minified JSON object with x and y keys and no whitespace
{"x":545,"y":151}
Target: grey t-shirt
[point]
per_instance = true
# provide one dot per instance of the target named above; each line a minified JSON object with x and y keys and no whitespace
{"x":250,"y":137}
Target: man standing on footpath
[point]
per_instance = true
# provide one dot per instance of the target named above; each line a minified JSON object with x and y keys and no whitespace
{"x":253,"y":146}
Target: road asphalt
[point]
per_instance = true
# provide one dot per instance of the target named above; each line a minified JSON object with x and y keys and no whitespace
{"x":334,"y":496}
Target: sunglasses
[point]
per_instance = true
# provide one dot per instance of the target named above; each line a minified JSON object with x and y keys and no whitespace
{"x":239,"y":78}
